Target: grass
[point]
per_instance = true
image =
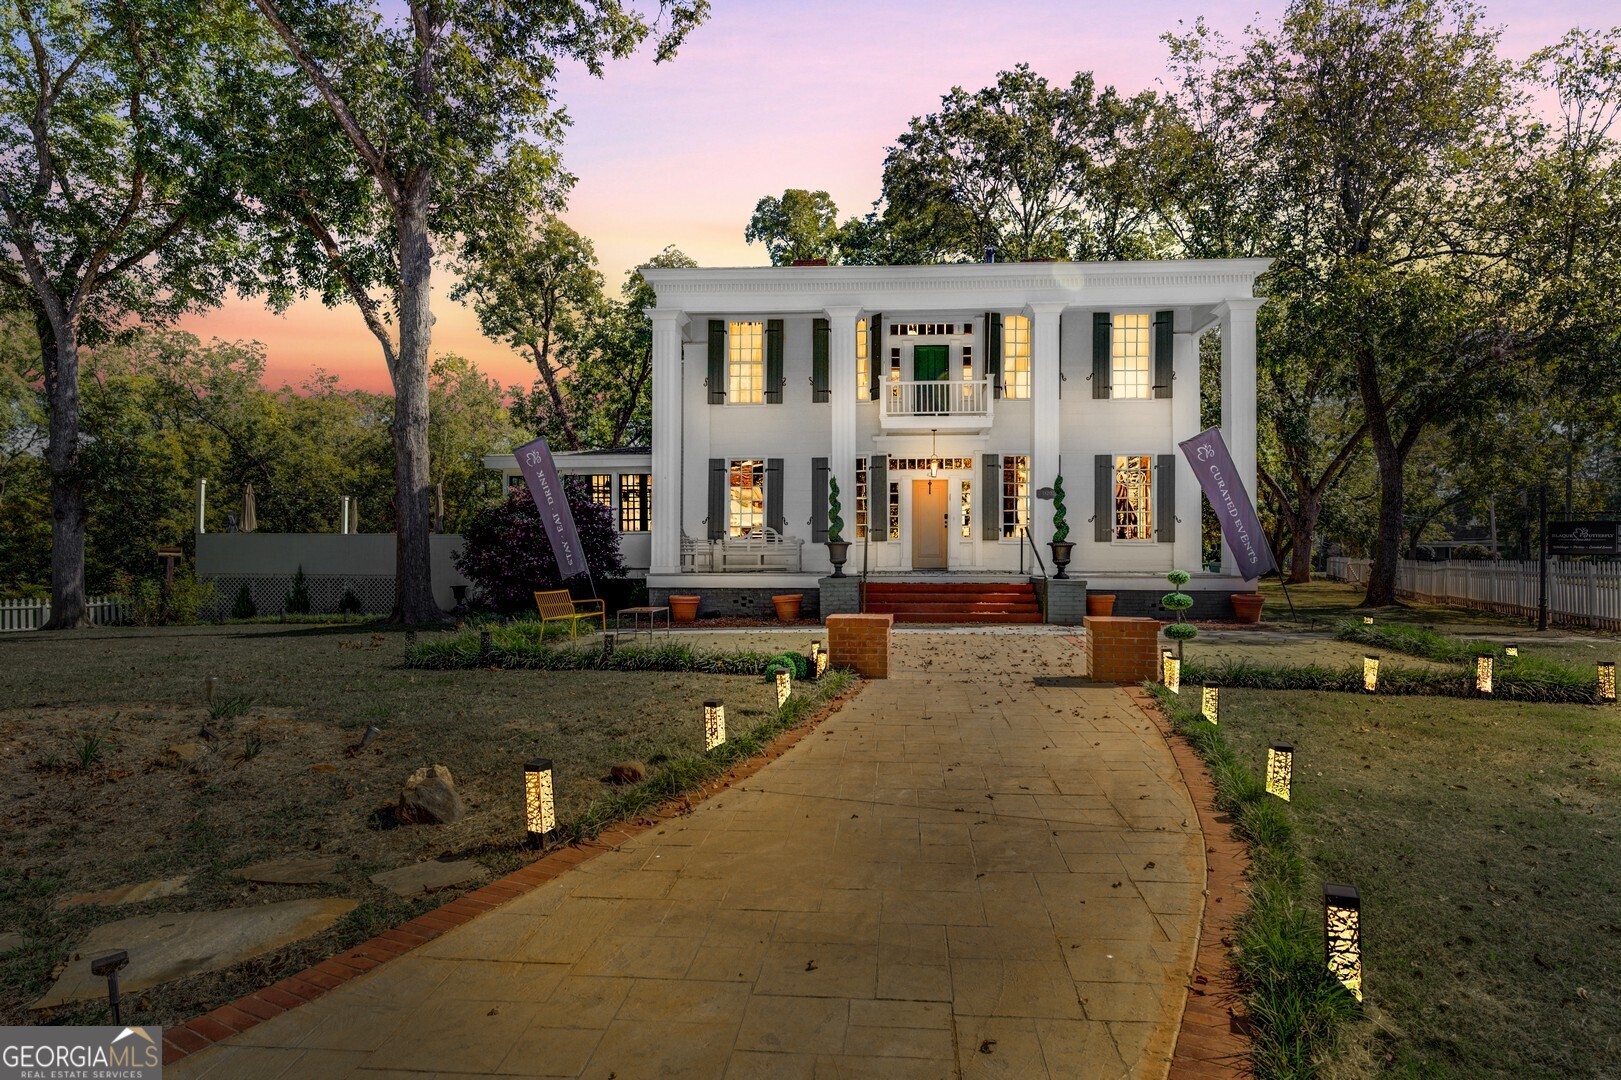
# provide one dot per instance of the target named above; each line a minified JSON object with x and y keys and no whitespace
{"x":1485,"y":837}
{"x":523,"y":645}
{"x":280,"y":780}
{"x":1524,"y":678}
{"x":1417,"y":641}
{"x":1324,"y":602}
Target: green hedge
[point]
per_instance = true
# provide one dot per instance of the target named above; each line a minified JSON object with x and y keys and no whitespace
{"x":522,"y":646}
{"x":1415,"y":641}
{"x":1520,"y":678}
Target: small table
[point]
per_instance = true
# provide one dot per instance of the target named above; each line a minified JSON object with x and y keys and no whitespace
{"x":637,"y":614}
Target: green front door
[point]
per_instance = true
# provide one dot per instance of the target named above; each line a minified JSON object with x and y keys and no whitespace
{"x":929,"y":363}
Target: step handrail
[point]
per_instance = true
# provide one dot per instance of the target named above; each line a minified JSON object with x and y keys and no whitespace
{"x":1025,"y":533}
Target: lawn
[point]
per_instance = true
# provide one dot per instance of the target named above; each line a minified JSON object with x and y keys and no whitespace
{"x":93,"y":801}
{"x":1486,"y":840}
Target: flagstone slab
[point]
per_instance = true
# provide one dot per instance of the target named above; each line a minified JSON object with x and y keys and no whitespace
{"x":298,"y":870}
{"x":11,"y":940}
{"x":430,"y":876}
{"x":172,"y":946}
{"x":127,"y":894}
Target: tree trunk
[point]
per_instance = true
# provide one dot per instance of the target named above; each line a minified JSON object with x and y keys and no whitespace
{"x":1388,"y":538}
{"x":59,"y":352}
{"x":413,"y":491}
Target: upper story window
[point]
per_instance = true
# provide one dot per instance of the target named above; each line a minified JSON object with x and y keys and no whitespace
{"x":1131,"y":374}
{"x":747,"y":496}
{"x":1016,"y":356}
{"x":1133,"y":497}
{"x":863,"y":363}
{"x":745,"y":363}
{"x":635,"y":502}
{"x":602,"y":489}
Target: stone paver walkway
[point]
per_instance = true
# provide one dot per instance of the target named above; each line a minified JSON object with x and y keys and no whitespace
{"x":982,"y":867}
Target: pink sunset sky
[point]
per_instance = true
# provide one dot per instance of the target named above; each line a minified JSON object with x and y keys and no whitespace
{"x":771,"y":94}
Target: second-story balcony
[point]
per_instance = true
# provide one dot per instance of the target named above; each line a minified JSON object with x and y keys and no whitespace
{"x":937,"y":405}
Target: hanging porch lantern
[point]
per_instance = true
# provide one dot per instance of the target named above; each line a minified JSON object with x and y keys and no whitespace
{"x":785,"y":686}
{"x":1208,"y":704}
{"x":1280,"y":769}
{"x":1606,"y":681}
{"x":1370,"y":673}
{"x":539,"y":816}
{"x":714,"y":724}
{"x":1342,"y":927}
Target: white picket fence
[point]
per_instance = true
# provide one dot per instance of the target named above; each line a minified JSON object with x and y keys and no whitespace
{"x":1584,"y":593}
{"x":31,"y":614}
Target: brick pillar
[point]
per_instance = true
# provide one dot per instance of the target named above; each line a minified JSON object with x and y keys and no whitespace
{"x":861,"y":642}
{"x":1121,"y":650}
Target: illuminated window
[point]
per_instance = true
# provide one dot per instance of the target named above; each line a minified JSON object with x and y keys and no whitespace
{"x":1131,"y":377}
{"x":635,"y":502}
{"x":895,"y":511}
{"x":517,"y":483}
{"x":965,"y":504}
{"x":1133,"y":497}
{"x":1015,"y":356}
{"x":602,"y":489}
{"x":863,"y":363}
{"x":745,"y":367}
{"x":747,"y":496}
{"x":1015,"y":496}
{"x":861,"y":497}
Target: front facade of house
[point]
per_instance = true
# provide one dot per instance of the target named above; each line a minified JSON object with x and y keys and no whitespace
{"x":941,"y":400}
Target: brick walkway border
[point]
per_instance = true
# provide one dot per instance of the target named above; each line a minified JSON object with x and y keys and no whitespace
{"x":245,"y":1012}
{"x":1211,"y":1044}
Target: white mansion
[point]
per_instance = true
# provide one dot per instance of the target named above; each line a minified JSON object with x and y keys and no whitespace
{"x":941,"y":399}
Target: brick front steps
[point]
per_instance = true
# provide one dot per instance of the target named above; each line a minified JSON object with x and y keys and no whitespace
{"x":954,"y":601}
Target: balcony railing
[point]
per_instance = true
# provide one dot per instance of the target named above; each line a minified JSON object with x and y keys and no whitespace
{"x":938,"y":398}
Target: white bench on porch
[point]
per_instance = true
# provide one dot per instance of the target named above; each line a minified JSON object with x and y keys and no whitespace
{"x":759,"y":549}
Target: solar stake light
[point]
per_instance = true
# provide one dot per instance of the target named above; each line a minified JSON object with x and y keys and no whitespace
{"x":1483,"y":673}
{"x":1512,"y":650}
{"x":1171,"y":675}
{"x":1342,"y":927}
{"x":1606,"y":681}
{"x":1367,"y":620}
{"x":607,"y":645}
{"x":1280,"y":768}
{"x":1370,"y":673}
{"x":539,"y":815}
{"x":108,"y":967}
{"x":785,"y":686}
{"x":714,"y":724}
{"x":1207,"y":704}
{"x":821,"y":664}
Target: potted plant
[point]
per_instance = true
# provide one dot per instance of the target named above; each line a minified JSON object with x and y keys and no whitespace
{"x":1247,"y":606}
{"x":788,"y":606}
{"x":684,"y":609}
{"x":1178,"y":601}
{"x":838,"y":548}
{"x":1060,"y":544}
{"x":1099,"y":603}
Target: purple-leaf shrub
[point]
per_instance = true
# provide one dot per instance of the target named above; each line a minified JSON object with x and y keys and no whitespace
{"x":506,"y":554}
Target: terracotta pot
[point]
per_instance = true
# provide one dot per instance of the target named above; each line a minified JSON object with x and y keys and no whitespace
{"x":1100,"y":603}
{"x":684,"y":609}
{"x":1247,"y":606}
{"x":788,"y":606}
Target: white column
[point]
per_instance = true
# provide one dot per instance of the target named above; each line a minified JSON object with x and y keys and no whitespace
{"x":841,"y":386}
{"x":1184,"y":425}
{"x":1044,"y":401}
{"x":1238,"y":395}
{"x":667,"y":397}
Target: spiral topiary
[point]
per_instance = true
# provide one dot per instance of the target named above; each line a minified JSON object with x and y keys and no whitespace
{"x":1060,"y":526}
{"x":835,"y":524}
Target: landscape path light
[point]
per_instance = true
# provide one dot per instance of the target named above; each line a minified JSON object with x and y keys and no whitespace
{"x":1280,"y":768}
{"x":1511,"y":650}
{"x":1483,"y":673}
{"x":1208,"y":705}
{"x":785,"y":686}
{"x":1171,"y":676}
{"x":1367,"y":620}
{"x":539,"y":813}
{"x":1342,"y":929}
{"x":607,"y":645}
{"x":1370,"y":673}
{"x":1606,"y":681}
{"x":821,"y":663}
{"x":714,"y":724}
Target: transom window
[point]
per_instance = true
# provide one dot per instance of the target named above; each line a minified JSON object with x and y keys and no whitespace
{"x":1016,"y":356}
{"x":1131,"y":376}
{"x":1015,"y":496}
{"x":1133,"y":497}
{"x":747,"y":498}
{"x":932,"y":329}
{"x":903,"y":464}
{"x":863,"y":363}
{"x":602,"y":489}
{"x":745,"y":363}
{"x":635,"y":502}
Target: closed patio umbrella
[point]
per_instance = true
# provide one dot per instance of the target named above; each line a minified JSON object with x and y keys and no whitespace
{"x":250,"y":518}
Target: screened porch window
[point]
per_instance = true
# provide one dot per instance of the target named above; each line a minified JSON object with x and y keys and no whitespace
{"x":1133,"y":497}
{"x":747,"y":496}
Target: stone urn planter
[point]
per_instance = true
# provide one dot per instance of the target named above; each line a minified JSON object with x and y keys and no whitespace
{"x":1100,"y":603}
{"x":838,"y":552}
{"x":788,"y":606}
{"x":684,"y":609}
{"x":1247,"y":606}
{"x":1062,"y":550}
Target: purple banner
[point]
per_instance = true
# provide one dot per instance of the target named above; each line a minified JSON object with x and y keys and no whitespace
{"x":540,"y":473}
{"x":1240,"y":527}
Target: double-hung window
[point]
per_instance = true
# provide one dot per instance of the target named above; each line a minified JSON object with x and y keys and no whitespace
{"x":861,"y":497}
{"x":745,"y":363}
{"x":1015,"y":496}
{"x":863,"y":363}
{"x":746,"y":500}
{"x":1131,"y":368}
{"x":1016,"y":356}
{"x":602,"y":489}
{"x":635,"y":502}
{"x":1133,"y":497}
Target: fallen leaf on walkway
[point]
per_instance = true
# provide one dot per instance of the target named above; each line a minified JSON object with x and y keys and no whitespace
{"x":988,"y":1046}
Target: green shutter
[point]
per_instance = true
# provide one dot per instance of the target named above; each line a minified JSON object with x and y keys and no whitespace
{"x":717,"y":362}
{"x":1102,"y":498}
{"x":773,"y":361}
{"x":717,"y":499}
{"x":1102,"y":353}
{"x":1165,"y":498}
{"x":990,"y":497}
{"x":875,"y":356}
{"x":819,"y":384}
{"x":818,"y":522}
{"x":773,"y":496}
{"x":1163,"y":354}
{"x":993,"y":351}
{"x":878,"y":498}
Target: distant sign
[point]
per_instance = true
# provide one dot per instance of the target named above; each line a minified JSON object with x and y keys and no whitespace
{"x":1584,"y":537}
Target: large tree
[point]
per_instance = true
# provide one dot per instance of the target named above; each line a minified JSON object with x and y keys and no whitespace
{"x":444,"y":108}
{"x":799,"y":225}
{"x":117,"y":180}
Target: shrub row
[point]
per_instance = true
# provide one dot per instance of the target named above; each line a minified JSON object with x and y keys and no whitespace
{"x":522,"y":646}
{"x":1294,"y":1002}
{"x":1415,"y":641}
{"x":1522,"y":678}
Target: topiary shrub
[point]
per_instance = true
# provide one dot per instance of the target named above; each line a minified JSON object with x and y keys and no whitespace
{"x":796,"y":665}
{"x":835,"y":523}
{"x":506,"y":554}
{"x":243,"y":606}
{"x":348,"y":603}
{"x":1181,"y":630}
{"x":298,"y":598}
{"x":1060,"y":521}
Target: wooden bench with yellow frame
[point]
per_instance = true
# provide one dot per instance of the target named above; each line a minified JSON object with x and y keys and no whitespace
{"x":558,"y":606}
